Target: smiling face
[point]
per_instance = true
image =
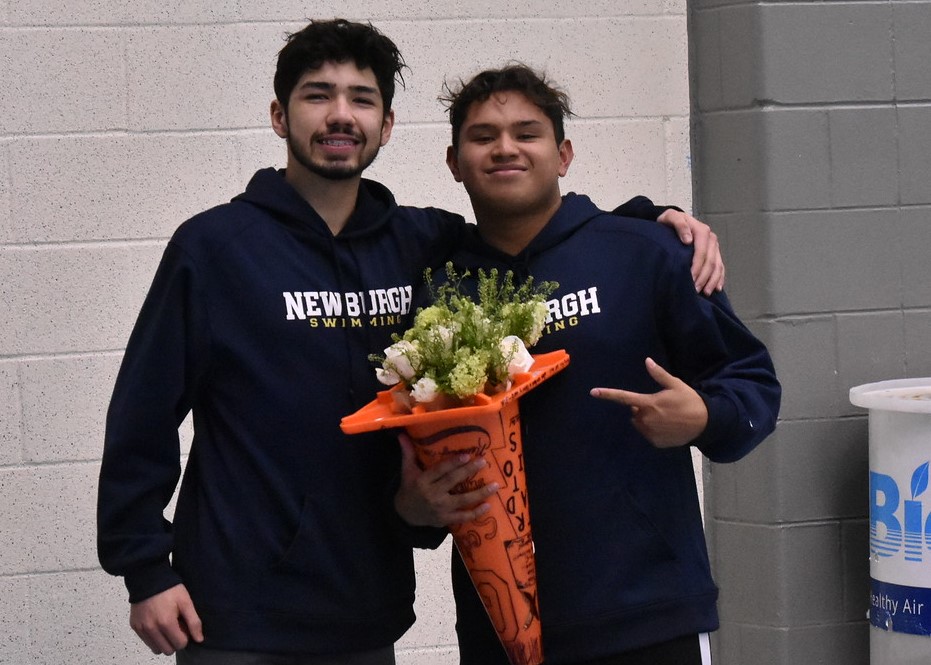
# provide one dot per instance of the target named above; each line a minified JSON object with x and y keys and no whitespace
{"x":335,"y":122}
{"x":508,"y":159}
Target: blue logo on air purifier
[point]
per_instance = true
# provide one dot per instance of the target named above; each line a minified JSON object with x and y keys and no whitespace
{"x":897,"y":526}
{"x":900,"y":540}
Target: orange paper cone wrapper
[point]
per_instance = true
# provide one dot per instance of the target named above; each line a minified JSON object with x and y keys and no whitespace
{"x":497,"y":548}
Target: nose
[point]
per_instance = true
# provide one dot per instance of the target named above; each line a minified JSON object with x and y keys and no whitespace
{"x":505,"y":147}
{"x":340,"y":112}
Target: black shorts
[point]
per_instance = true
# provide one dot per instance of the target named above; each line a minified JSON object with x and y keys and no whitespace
{"x":688,"y":650}
{"x":680,"y":651}
{"x":198,"y":655}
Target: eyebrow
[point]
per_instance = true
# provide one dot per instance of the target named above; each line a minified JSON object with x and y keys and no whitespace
{"x":324,"y":85}
{"x":487,"y":126}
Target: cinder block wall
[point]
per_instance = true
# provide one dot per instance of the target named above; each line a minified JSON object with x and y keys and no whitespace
{"x":119,"y":119}
{"x":812,"y":133}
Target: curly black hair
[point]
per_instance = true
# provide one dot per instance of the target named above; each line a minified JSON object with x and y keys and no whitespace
{"x":339,"y":40}
{"x":515,"y":77}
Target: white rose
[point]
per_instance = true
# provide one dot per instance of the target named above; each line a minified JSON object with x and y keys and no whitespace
{"x":445,"y":335}
{"x":386,"y":376}
{"x":424,"y":390}
{"x":518,"y":357}
{"x":400,"y":359}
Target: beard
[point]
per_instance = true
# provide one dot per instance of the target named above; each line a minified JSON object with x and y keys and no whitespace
{"x":328,"y":170}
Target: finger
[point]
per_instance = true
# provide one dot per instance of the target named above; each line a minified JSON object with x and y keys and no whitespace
{"x":172,"y":634}
{"x":660,"y":375}
{"x":178,"y":638}
{"x":191,"y":621}
{"x":149,"y":642}
{"x":464,"y":516}
{"x":712,"y":265}
{"x":680,"y":224}
{"x":453,"y":470}
{"x":408,"y":455}
{"x":149,"y":633}
{"x":620,"y":396}
{"x":702,"y":257}
{"x":703,"y":274}
{"x":698,"y":228}
{"x":473,"y":497}
{"x":683,"y":226}
{"x":449,"y":481}
{"x":469,"y":505}
{"x":157,"y":641}
{"x":716,"y":281}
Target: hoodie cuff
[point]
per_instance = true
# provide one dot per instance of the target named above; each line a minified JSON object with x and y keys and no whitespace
{"x":145,"y":582}
{"x":640,"y":207}
{"x":421,"y":537}
{"x":722,"y":415}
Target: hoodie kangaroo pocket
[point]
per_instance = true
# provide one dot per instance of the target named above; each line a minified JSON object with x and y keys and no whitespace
{"x":612,"y":557}
{"x":338,"y":558}
{"x":303,"y":552}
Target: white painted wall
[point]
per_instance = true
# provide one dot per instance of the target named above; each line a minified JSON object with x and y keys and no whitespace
{"x":120,"y":118}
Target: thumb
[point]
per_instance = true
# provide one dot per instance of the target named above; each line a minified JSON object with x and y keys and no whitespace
{"x":191,"y":619}
{"x":408,"y":455}
{"x":661,"y":376}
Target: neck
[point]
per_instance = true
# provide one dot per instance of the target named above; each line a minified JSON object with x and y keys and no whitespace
{"x":511,"y":232}
{"x":333,"y":200}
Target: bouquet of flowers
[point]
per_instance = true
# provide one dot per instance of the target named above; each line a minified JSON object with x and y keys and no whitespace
{"x":458,"y":347}
{"x":457,"y":376}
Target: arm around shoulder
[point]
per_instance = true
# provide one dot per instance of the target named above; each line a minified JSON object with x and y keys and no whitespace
{"x":708,"y":269}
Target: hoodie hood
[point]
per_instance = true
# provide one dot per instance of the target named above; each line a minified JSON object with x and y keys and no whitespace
{"x":269,"y":190}
{"x":574,"y":213}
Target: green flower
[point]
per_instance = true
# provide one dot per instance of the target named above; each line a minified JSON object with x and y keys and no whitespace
{"x":456,"y":345}
{"x":470,"y":373}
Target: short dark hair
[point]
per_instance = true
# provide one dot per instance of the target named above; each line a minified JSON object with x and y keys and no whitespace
{"x":340,"y":41}
{"x":516,"y":77}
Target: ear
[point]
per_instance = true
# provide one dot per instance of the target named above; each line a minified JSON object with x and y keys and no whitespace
{"x":565,"y":156}
{"x":452,"y":161}
{"x":279,"y":118}
{"x":386,"y":126}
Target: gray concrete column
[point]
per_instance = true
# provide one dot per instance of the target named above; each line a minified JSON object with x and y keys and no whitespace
{"x":811,"y":129}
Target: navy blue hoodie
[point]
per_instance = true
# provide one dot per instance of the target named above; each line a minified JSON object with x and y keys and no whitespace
{"x":620,"y":551}
{"x":284,"y":532}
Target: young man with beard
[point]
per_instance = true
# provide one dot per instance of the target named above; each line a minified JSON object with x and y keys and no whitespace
{"x":623,"y":576}
{"x":285,"y":546}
